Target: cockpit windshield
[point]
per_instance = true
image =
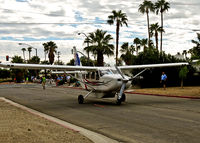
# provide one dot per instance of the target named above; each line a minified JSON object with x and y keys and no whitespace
{"x":103,"y":72}
{"x":114,"y":71}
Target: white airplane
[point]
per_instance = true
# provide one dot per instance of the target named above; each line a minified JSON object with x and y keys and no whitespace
{"x":109,"y":82}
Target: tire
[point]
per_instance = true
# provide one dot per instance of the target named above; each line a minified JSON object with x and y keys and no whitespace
{"x":119,"y":101}
{"x":80,"y":99}
{"x":123,"y":99}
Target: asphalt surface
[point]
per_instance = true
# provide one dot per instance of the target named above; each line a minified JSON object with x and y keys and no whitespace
{"x":141,"y":119}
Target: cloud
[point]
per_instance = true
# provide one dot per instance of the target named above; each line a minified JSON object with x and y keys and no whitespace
{"x":40,"y":21}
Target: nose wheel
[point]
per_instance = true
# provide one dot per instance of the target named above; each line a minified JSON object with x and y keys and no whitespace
{"x":80,"y":99}
{"x":122,"y":99}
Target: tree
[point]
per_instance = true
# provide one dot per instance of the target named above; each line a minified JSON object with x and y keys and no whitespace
{"x":146,"y":7}
{"x":23,"y":50}
{"x":18,"y":73}
{"x":34,"y":60}
{"x":137,"y":41}
{"x":161,"y":6}
{"x":29,"y":52}
{"x":183,"y":74}
{"x":143,"y":43}
{"x":154,"y":29}
{"x":127,"y":55}
{"x":87,"y":49}
{"x":185,"y":53}
{"x":100,"y":45}
{"x":119,"y":18}
{"x":46,"y":50}
{"x":59,"y":62}
{"x":132,"y":49}
{"x":195,"y":51}
{"x":51,"y":49}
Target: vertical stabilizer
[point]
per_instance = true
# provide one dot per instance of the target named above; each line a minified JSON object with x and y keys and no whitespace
{"x":77,"y":61}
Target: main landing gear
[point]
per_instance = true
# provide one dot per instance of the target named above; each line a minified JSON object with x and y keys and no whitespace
{"x":81,"y":97}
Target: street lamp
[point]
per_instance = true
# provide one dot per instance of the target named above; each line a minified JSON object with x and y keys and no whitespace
{"x":29,"y":46}
{"x":87,"y":42}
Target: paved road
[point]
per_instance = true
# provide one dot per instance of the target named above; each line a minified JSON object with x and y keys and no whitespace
{"x":142,"y":119}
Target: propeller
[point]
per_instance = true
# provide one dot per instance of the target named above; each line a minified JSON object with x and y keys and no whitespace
{"x":124,"y":81}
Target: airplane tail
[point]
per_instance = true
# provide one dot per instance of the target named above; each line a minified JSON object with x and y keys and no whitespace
{"x":77,"y":61}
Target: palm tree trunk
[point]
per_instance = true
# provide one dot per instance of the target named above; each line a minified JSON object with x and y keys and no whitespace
{"x":45,"y":55}
{"x":100,"y":59}
{"x":24,"y":55}
{"x":148,"y":29}
{"x":29,"y":55}
{"x":161,"y":32}
{"x":117,"y":41}
{"x":136,"y":49}
{"x":182,"y":83}
{"x":156,"y":38}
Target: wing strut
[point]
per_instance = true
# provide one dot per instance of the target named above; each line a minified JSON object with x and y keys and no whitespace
{"x":140,"y":73}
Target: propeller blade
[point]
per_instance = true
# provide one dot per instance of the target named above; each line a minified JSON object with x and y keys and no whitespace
{"x":121,"y":90}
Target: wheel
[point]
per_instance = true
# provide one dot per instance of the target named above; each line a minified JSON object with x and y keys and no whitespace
{"x":80,"y":99}
{"x":123,"y":98}
{"x":119,"y":101}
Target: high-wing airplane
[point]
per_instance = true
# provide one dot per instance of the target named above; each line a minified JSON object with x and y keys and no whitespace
{"x":109,"y":81}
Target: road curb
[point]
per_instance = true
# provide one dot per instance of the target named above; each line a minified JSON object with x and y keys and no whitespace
{"x":190,"y":97}
{"x":95,"y":137}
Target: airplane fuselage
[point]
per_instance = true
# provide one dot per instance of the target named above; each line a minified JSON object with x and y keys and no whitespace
{"x":107,"y":86}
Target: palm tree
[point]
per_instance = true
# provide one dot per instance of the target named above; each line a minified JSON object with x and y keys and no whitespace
{"x":120,"y":19}
{"x":23,"y":50}
{"x":161,"y":6}
{"x":137,"y":41}
{"x":132,"y":49}
{"x":154,"y":29}
{"x":87,"y":49}
{"x":100,"y":46}
{"x":52,"y":51}
{"x":144,"y":43}
{"x":46,"y":50}
{"x":146,"y":7}
{"x":127,"y":53}
{"x":124,"y":48}
{"x":50,"y":47}
{"x":195,"y":51}
{"x":185,"y":53}
{"x":29,"y":52}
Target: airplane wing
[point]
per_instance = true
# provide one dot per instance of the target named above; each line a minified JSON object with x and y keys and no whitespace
{"x":84,"y":68}
{"x":68,"y":72}
{"x":151,"y":66}
{"x":51,"y":67}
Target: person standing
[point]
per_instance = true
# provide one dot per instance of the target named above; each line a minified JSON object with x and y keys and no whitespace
{"x":43,"y":82}
{"x":68,"y":79}
{"x":163,"y":80}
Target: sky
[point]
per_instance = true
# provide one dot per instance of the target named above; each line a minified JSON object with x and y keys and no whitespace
{"x":34,"y":22}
